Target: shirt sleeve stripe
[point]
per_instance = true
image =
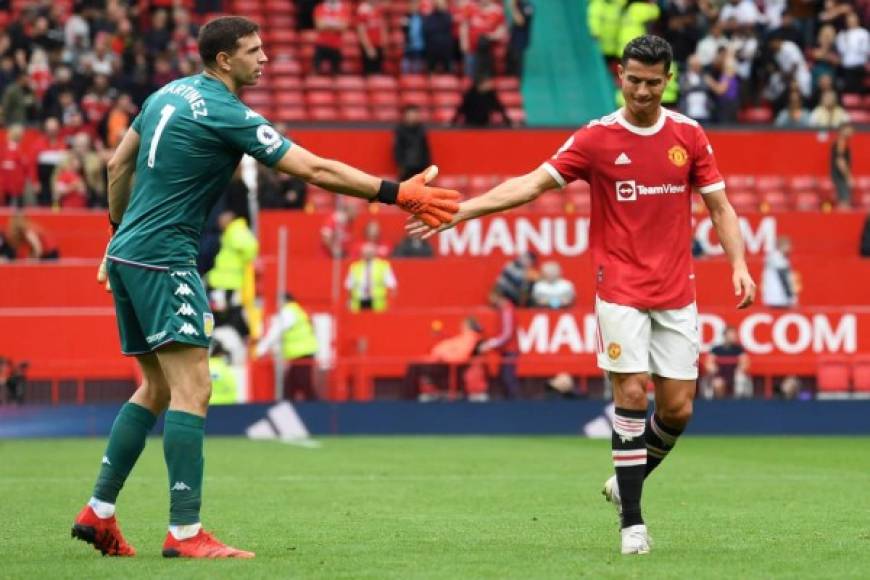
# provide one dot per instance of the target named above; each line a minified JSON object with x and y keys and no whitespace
{"x":554,"y":173}
{"x":712,"y":187}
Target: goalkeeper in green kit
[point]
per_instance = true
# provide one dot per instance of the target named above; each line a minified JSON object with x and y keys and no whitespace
{"x":183,"y":148}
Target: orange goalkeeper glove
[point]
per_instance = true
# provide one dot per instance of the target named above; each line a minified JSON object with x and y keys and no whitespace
{"x":433,"y":205}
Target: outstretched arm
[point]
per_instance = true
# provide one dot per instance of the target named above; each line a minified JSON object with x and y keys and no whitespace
{"x":727,"y":228}
{"x":433,"y":205}
{"x":512,"y":193}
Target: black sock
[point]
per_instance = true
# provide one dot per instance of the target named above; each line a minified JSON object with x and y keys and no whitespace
{"x":629,"y":460}
{"x":660,"y":439}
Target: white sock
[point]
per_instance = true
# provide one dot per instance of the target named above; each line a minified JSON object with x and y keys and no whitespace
{"x":185,"y":532}
{"x":103,"y":509}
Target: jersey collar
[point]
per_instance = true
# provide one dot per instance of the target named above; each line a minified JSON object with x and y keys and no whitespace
{"x":643,"y":131}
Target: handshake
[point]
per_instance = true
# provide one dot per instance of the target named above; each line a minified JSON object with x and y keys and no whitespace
{"x":433,"y":206}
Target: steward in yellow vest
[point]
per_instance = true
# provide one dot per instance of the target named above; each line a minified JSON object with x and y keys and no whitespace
{"x":224,"y":388}
{"x":370,"y":281}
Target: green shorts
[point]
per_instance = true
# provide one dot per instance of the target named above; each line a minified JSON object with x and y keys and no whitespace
{"x":158,"y":305}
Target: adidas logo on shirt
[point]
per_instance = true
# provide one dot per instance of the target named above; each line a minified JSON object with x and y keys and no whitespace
{"x":185,"y":310}
{"x":183,"y":290}
{"x":622,"y":160}
{"x":180,"y":486}
{"x":188,"y":329}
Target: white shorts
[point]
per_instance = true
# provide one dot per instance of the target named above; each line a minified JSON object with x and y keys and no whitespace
{"x":661,"y":342}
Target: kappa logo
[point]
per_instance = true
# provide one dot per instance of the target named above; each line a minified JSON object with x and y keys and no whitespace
{"x":183,"y":290}
{"x":179,"y":486}
{"x":188,"y":330}
{"x":249,"y":114}
{"x":185,"y":310}
{"x":622,"y":160}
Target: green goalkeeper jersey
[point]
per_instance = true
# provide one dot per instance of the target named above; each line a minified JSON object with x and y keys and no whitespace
{"x":193,"y":133}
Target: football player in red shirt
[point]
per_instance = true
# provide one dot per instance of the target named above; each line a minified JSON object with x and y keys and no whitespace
{"x":642,"y":163}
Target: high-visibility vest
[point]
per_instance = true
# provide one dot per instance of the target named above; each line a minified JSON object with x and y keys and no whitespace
{"x":635,"y":18}
{"x":224,"y":390}
{"x":603,"y":18}
{"x":378,"y":286}
{"x":239,"y":247}
{"x":299,"y":339}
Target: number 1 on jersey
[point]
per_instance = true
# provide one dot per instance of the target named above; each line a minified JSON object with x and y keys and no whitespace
{"x":165,"y":113}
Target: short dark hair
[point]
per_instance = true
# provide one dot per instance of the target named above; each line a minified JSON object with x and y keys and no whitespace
{"x":222,"y":35}
{"x":648,"y":49}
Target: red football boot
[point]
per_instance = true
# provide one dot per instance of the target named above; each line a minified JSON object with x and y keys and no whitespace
{"x":202,"y":545}
{"x":103,"y":534}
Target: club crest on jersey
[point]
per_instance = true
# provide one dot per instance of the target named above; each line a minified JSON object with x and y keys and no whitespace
{"x":614,"y":350}
{"x":208,"y":323}
{"x":678,"y":155}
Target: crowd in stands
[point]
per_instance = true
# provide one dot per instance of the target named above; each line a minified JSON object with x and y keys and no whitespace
{"x":800,"y":63}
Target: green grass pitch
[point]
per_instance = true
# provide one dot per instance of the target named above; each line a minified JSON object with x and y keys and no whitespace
{"x":456,"y":508}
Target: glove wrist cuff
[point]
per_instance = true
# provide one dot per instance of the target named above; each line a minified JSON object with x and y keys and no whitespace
{"x":388,"y":192}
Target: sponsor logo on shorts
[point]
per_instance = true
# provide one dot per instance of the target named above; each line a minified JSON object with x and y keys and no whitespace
{"x":180,"y":274}
{"x":156,"y":337}
{"x":614,"y":350}
{"x":185,"y":310}
{"x":208,"y":323}
{"x":183,"y":290}
{"x":188,"y":330}
{"x":678,"y":155}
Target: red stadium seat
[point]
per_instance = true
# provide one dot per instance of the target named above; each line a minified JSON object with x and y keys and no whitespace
{"x":355,"y":113}
{"x":478,"y":184}
{"x":739,"y":181}
{"x":318,"y":82}
{"x":457,"y":182}
{"x":322,"y":113}
{"x":861,"y":374}
{"x":832,"y":375}
{"x":385,"y":114}
{"x":506,"y":84}
{"x":774,"y":200}
{"x":511,"y":99}
{"x":384,"y":99}
{"x":282,"y":67}
{"x":443,"y":115}
{"x":316,"y":98}
{"x":517,"y":115}
{"x":803,"y":182}
{"x":281,"y":36}
{"x":861,"y":198}
{"x":413,"y":83}
{"x":290,"y":114}
{"x":769,"y":182}
{"x":859,"y":116}
{"x":743,"y":200}
{"x":353,"y":97}
{"x":419,"y":98}
{"x":444,"y":83}
{"x":807,"y":200}
{"x":446,"y":99}
{"x":320,"y":198}
{"x":255,"y":99}
{"x":350,"y":82}
{"x":550,"y":202}
{"x":378,"y":83}
{"x":285,"y":83}
{"x":756,"y":115}
{"x":284,"y":98}
{"x":852,"y":101}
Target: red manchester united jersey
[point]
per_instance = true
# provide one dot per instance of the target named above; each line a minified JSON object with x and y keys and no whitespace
{"x":641,"y":180}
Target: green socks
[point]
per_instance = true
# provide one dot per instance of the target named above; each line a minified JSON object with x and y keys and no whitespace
{"x":182,"y":447}
{"x":126,"y":442}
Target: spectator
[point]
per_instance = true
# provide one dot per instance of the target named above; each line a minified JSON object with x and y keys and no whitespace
{"x":726,"y":366}
{"x":68,"y":184}
{"x":709,"y":46}
{"x":427,"y":377}
{"x":415,"y":41}
{"x":826,"y":58}
{"x":413,"y":247}
{"x":331,"y":18}
{"x":743,"y":48}
{"x":725,"y":85}
{"x":438,"y":38}
{"x":371,"y":29}
{"x":370,"y":281}
{"x":484,"y":26}
{"x":602,"y":18}
{"x":779,"y":288}
{"x":789,"y":66}
{"x":305,"y":14}
{"x":335,"y":233}
{"x":101,"y":60}
{"x":291,"y":329}
{"x":795,"y":115}
{"x":841,"y":166}
{"x":696,"y":100}
{"x":7,"y":252}
{"x":17,"y":168}
{"x":823,"y":84}
{"x":736,"y":13}
{"x":4,"y":377}
{"x":158,"y":36}
{"x":280,"y":191}
{"x":835,"y":12}
{"x":238,"y":250}
{"x":479,"y":104}
{"x":224,"y":386}
{"x":16,"y":382}
{"x":853,"y":44}
{"x":411,"y":144}
{"x":506,"y":344}
{"x":29,"y":240}
{"x":48,"y":148}
{"x":552,"y":290}
{"x":829,"y":114}
{"x":116,"y":122}
{"x":40,"y":74}
{"x":638,"y":17}
{"x":372,"y":235}
{"x":562,"y":386}
{"x":517,"y":278}
{"x":93,"y":169}
{"x":522,"y":12}
{"x":98,"y":100}
{"x":19,"y":101}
